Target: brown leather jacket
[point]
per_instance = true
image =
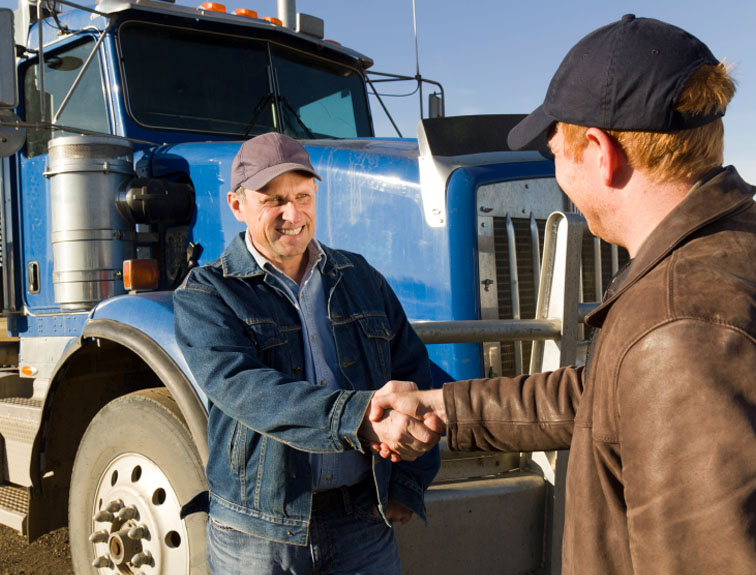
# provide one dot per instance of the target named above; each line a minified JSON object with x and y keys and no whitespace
{"x":662,"y":424}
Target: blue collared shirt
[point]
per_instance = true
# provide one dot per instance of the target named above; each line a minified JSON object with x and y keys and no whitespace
{"x":329,"y":470}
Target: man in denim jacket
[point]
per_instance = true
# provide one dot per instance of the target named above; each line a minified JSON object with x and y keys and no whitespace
{"x":290,"y":339}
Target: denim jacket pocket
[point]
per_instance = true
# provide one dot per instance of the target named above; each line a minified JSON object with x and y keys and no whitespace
{"x":265,"y":334}
{"x":270,"y":343}
{"x":376,"y":326}
{"x":377,"y":330}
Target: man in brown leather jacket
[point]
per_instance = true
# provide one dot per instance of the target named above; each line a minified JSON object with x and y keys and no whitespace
{"x":661,"y":423}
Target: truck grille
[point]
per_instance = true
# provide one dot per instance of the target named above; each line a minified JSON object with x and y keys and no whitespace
{"x":595,"y":277}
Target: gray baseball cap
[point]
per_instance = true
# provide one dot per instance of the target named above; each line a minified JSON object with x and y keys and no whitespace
{"x":266,"y":157}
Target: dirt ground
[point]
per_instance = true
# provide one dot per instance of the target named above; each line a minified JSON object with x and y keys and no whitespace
{"x":48,"y":555}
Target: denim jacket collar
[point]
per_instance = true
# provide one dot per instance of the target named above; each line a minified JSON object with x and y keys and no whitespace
{"x":236,"y":260}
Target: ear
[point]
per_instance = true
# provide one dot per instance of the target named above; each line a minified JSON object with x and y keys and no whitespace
{"x":610,"y":156}
{"x":235,"y":203}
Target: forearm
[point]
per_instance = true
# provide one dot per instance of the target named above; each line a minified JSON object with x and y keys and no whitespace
{"x":527,"y":413}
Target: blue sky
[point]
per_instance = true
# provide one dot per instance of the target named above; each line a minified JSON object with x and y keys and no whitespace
{"x":497,"y":56}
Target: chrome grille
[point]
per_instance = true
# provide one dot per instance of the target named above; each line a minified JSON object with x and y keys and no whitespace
{"x":517,"y":283}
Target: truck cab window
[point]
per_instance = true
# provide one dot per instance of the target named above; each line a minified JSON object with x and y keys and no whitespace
{"x":184,"y":80}
{"x":86,"y":109}
{"x":190,"y":80}
{"x":318,"y":98}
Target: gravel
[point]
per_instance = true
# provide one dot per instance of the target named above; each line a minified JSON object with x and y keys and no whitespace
{"x":48,"y":555}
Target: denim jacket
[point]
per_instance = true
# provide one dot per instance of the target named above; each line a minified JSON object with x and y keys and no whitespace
{"x":242,"y":339}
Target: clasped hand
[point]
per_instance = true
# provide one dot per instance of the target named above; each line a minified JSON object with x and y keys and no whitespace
{"x":402,"y":422}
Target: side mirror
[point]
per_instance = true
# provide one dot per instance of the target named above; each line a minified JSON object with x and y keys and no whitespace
{"x":12,"y":137}
{"x":8,"y":86}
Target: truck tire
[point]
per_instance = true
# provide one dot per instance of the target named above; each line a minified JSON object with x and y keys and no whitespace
{"x":135,"y":468}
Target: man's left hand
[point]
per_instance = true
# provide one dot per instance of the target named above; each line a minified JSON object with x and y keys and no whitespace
{"x":396,"y":512}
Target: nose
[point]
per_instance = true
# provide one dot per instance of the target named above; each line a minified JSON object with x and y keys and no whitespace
{"x":290,"y":212}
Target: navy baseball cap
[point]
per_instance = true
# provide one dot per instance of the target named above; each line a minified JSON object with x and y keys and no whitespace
{"x":624,"y":76}
{"x":265,"y":157}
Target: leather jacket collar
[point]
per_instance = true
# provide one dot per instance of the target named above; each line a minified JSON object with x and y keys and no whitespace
{"x":722,"y":187}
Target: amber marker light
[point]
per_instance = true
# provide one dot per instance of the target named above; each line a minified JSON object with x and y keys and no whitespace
{"x":245,"y":12}
{"x":333,"y":42}
{"x":28,"y":370}
{"x":272,"y":20}
{"x":140,"y":274}
{"x":213,"y":7}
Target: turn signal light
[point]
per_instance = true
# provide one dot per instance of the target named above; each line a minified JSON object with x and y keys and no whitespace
{"x":140,"y":274}
{"x":272,"y":20}
{"x":28,"y":370}
{"x":245,"y":12}
{"x":213,"y":7}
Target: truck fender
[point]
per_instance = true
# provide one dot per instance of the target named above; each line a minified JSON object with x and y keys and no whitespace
{"x":166,"y":369}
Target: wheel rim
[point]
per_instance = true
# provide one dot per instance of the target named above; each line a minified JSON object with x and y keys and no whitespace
{"x":136,"y":525}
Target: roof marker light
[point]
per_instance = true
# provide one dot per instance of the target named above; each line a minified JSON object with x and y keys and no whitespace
{"x":245,"y":12}
{"x":333,"y":42}
{"x":272,"y":20}
{"x":213,"y":7}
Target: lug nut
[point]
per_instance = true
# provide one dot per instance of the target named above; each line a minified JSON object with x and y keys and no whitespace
{"x":138,"y":532}
{"x":104,"y":516}
{"x":127,"y":513}
{"x":143,"y":558}
{"x":102,"y":562}
{"x":99,"y":536}
{"x":114,"y":506}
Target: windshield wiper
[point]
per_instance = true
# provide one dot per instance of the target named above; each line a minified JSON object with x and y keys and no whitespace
{"x":259,"y":109}
{"x":293,"y":112}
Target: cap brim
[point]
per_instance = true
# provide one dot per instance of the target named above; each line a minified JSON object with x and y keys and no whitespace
{"x":261,"y":178}
{"x":531,"y":133}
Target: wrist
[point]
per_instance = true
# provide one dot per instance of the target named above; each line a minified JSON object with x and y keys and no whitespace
{"x":435,"y":400}
{"x":366,"y":433}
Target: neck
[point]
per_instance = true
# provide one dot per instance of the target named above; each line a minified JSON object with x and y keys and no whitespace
{"x":295,"y":269}
{"x":644,"y":205}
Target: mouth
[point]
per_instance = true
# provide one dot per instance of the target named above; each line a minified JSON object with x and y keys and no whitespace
{"x":292,"y":231}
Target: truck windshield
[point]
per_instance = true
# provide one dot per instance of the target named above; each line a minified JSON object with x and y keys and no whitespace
{"x":181,"y":79}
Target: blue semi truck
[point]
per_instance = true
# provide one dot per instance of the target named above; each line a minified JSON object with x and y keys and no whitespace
{"x":119,"y":122}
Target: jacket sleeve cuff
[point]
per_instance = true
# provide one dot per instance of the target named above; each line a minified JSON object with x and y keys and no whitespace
{"x":349,"y":418}
{"x":405,"y":490}
{"x":450,"y":406}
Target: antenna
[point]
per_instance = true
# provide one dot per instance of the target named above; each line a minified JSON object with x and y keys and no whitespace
{"x":418,"y":77}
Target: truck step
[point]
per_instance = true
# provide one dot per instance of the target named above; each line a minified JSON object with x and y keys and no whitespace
{"x":19,"y":422}
{"x":14,"y":507}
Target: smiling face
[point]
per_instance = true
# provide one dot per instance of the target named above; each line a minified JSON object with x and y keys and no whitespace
{"x":280,"y":219}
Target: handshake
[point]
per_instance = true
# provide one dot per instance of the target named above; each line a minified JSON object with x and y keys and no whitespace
{"x":402,"y":423}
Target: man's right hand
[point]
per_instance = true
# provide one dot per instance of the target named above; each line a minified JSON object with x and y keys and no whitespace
{"x":404,"y":435}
